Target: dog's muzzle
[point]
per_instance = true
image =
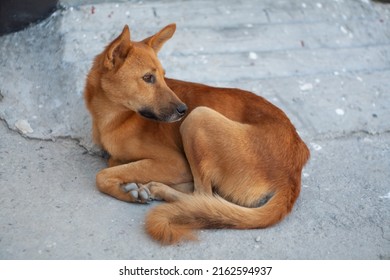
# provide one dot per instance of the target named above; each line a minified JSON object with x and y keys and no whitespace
{"x":165,"y":115}
{"x":181,"y":109}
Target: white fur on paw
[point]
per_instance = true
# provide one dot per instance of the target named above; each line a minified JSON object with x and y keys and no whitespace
{"x":130,"y":187}
{"x":138,"y":191}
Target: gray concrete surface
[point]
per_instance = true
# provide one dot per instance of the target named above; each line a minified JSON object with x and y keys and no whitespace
{"x":326,"y":63}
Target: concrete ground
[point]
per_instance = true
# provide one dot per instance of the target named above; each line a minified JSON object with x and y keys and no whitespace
{"x":325,"y":63}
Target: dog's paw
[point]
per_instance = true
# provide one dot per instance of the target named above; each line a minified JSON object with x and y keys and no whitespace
{"x":154,"y":189}
{"x":139,"y":193}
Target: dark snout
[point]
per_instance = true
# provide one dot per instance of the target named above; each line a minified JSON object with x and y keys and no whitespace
{"x":169,"y":114}
{"x":181,"y":109}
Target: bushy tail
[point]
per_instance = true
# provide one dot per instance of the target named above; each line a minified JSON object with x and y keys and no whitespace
{"x":172,"y":222}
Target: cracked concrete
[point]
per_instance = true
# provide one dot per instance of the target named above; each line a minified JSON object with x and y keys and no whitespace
{"x":326,"y":65}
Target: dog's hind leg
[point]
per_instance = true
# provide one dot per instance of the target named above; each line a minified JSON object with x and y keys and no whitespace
{"x":224,"y":157}
{"x":159,"y":191}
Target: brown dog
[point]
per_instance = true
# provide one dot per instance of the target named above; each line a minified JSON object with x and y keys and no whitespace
{"x":224,"y":158}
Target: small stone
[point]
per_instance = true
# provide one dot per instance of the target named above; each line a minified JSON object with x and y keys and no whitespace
{"x":306,"y":87}
{"x":386,"y":196}
{"x":343,"y":29}
{"x":23,"y":126}
{"x":253,"y":55}
{"x":340,"y":112}
{"x":316,"y":147}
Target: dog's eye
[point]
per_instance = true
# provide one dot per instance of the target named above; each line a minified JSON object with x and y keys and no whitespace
{"x":149,"y":78}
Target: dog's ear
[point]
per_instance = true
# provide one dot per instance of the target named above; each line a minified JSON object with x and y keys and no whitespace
{"x":158,"y":40}
{"x":118,"y":50}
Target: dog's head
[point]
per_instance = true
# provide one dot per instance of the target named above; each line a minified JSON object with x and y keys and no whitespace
{"x":132,"y":75}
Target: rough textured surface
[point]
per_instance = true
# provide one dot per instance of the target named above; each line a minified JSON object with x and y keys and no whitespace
{"x":326,"y":63}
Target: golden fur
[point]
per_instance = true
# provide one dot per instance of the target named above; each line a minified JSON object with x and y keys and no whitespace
{"x":223,"y":158}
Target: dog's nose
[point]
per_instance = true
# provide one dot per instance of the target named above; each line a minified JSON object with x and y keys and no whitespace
{"x":181,"y":109}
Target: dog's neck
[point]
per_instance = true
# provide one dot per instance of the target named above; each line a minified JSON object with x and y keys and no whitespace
{"x":107,"y":115}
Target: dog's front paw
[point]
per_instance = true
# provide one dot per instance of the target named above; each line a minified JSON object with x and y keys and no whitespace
{"x":140,"y":193}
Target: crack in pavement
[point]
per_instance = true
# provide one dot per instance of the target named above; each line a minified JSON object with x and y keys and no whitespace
{"x":92,"y":152}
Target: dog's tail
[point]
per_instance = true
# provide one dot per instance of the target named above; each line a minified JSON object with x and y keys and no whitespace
{"x":173,"y":222}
